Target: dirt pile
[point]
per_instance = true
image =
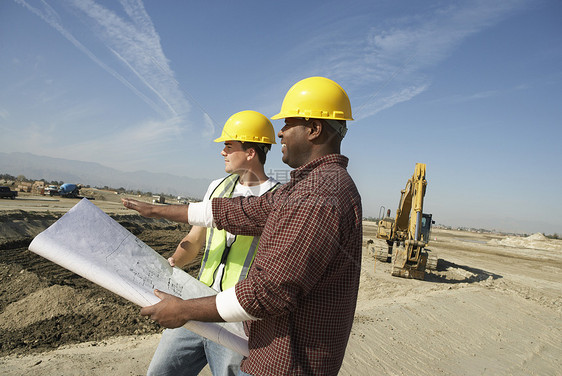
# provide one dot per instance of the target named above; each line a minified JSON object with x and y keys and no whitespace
{"x":43,"y":306}
{"x":535,"y":241}
{"x":17,"y":226}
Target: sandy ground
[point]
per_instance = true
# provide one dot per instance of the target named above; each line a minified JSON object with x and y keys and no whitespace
{"x":493,"y":307}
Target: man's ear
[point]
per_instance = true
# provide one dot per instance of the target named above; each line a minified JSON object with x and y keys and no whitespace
{"x":316,"y":128}
{"x":251,"y":153}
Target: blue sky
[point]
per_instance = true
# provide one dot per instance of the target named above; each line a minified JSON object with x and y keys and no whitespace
{"x":471,"y":88}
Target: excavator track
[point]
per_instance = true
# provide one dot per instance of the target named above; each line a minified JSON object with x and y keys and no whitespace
{"x":382,"y":254}
{"x":408,"y":273}
{"x":432,"y":262}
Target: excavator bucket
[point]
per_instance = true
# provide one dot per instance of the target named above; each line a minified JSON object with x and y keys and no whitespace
{"x":401,"y":267}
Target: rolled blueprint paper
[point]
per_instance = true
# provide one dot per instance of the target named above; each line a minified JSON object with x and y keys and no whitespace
{"x":93,"y":245}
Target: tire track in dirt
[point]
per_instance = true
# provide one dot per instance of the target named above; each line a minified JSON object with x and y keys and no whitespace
{"x":61,"y":307}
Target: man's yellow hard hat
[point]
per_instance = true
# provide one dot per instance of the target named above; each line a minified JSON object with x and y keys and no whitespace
{"x":248,"y":126}
{"x":318,"y":98}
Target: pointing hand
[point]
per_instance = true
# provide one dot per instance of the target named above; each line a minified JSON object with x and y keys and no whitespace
{"x":143,"y":208}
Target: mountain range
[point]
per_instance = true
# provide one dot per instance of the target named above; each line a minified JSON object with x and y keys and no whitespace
{"x":96,"y":175}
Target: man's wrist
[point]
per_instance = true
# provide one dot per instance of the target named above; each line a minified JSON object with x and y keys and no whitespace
{"x":153,"y":213}
{"x":200,"y":309}
{"x":187,"y":310}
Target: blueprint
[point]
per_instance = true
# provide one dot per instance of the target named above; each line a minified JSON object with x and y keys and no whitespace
{"x":91,"y":244}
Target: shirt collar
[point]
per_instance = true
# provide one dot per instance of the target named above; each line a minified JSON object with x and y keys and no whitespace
{"x":303,"y":171}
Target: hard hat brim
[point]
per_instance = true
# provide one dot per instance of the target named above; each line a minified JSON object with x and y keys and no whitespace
{"x":224,"y":139}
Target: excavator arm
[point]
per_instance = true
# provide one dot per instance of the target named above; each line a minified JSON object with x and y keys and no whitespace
{"x":419,"y":183}
{"x":408,"y":215}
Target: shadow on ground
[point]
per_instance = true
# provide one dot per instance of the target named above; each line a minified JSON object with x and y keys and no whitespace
{"x":449,"y":272}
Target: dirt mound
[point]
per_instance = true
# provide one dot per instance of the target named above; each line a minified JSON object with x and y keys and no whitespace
{"x":535,"y":241}
{"x":17,"y":283}
{"x":16,"y":225}
{"x":43,"y":305}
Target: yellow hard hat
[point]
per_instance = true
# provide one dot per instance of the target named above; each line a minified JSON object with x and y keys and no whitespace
{"x":248,"y":126}
{"x":318,"y":98}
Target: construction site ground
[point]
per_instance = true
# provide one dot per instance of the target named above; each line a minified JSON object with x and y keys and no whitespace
{"x":492,"y":307}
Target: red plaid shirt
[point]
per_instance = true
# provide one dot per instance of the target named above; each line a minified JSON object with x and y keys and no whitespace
{"x":304,"y":280}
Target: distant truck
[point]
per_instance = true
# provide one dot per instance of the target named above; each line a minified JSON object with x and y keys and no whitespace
{"x":158,"y":199}
{"x":49,"y":189}
{"x":67,"y":190}
{"x":6,"y":192}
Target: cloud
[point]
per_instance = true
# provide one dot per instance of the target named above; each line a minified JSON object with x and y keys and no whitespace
{"x":473,"y":97}
{"x":135,"y":44}
{"x":388,"y":63}
{"x":393,"y":98}
{"x":49,"y":15}
{"x":4,"y":114}
{"x":128,"y":147}
{"x":137,"y":60}
{"x":209,"y":123}
{"x":480,"y":95}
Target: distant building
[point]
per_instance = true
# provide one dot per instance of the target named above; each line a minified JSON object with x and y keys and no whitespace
{"x":38,"y":187}
{"x":24,"y":186}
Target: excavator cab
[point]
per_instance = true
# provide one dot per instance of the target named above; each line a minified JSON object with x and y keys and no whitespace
{"x":426,"y":227}
{"x":384,"y":230}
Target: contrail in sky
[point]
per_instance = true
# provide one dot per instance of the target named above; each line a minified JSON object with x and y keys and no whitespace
{"x":134,"y":42}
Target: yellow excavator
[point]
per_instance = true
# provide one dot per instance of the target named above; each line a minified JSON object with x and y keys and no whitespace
{"x":408,"y":234}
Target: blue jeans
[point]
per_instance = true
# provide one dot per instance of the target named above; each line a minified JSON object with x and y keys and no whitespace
{"x":182,"y":352}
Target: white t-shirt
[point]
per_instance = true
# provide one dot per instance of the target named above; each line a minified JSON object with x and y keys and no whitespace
{"x":203,"y":211}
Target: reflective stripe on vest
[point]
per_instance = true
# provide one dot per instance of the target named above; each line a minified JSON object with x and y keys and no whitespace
{"x":237,"y":258}
{"x":224,"y":189}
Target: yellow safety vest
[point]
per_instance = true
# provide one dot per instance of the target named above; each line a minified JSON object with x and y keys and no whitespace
{"x":237,"y":258}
